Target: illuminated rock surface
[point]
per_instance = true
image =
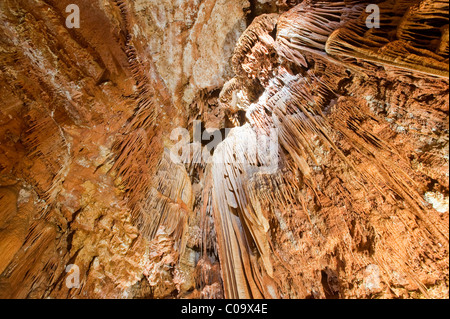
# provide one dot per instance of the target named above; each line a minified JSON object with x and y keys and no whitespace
{"x":355,"y":207}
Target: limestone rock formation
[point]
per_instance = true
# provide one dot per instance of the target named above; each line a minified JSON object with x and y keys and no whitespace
{"x":328,"y":177}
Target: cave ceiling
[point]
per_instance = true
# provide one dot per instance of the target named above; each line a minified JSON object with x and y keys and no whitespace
{"x":224,"y":149}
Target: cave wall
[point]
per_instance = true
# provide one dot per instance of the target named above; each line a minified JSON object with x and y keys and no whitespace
{"x":357,"y":209}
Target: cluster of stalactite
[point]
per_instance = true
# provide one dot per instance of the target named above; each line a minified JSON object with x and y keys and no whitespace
{"x":315,"y":44}
{"x":308,"y":196}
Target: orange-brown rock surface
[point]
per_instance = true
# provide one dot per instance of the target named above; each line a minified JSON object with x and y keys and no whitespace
{"x":353,"y":203}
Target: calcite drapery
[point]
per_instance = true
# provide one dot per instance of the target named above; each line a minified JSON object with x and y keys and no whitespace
{"x":296,"y":102}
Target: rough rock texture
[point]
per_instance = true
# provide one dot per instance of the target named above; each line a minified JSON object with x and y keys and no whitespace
{"x":352,"y":204}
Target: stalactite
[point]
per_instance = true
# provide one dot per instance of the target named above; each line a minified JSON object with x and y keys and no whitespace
{"x":295,"y":105}
{"x":46,"y":142}
{"x":139,"y":149}
{"x":169,"y":203}
{"x":307,"y":27}
{"x":413,"y":47}
{"x":259,"y":30}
